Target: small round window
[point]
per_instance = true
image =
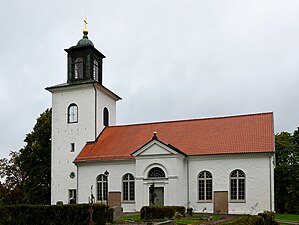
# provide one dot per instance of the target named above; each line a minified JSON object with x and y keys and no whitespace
{"x":72,"y":175}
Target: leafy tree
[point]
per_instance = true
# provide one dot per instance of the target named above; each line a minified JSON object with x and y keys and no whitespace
{"x":287,"y":172}
{"x":10,"y":170}
{"x":11,"y":191}
{"x":27,"y":173}
{"x":35,"y":161}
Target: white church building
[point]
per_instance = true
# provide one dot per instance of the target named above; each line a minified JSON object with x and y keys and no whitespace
{"x":223,"y":164}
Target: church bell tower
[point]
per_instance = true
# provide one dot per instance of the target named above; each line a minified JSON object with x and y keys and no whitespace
{"x":84,"y":61}
{"x":81,"y":108}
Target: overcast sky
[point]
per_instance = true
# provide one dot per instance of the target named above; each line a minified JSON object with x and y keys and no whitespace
{"x":167,"y":59}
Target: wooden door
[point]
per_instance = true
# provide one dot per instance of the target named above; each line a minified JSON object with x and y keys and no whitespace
{"x":221,"y":202}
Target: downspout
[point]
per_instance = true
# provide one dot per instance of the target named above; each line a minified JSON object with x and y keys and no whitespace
{"x":77,"y":197}
{"x":272,"y":160}
{"x":270,"y":175}
{"x":188,"y":197}
{"x":95,"y":112}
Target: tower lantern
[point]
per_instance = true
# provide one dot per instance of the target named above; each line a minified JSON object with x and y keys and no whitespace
{"x":84,"y":61}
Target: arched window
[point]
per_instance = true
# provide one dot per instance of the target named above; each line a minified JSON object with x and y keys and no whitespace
{"x":205,"y":186}
{"x":79,"y":68}
{"x":95,"y":70}
{"x":237,"y":185}
{"x":106,"y":117}
{"x":72,"y":113}
{"x":156,"y":172}
{"x":128,"y":187}
{"x":102,"y":188}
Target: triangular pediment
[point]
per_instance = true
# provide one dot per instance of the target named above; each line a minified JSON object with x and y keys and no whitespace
{"x":155,"y":147}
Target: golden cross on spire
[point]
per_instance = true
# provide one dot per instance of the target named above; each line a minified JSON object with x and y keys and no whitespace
{"x":85,"y":23}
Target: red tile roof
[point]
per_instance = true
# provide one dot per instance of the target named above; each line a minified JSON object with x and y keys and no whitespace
{"x":224,"y":135}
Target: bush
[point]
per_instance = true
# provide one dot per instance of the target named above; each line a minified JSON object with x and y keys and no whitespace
{"x":54,"y":214}
{"x":180,"y":209}
{"x":269,"y":218}
{"x":160,"y":212}
{"x":266,"y":218}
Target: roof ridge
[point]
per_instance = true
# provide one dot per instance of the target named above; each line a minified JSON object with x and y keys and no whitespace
{"x":187,"y":120}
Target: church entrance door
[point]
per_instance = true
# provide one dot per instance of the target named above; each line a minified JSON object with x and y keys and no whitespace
{"x":158,"y":196}
{"x":159,"y":200}
{"x":221,"y":202}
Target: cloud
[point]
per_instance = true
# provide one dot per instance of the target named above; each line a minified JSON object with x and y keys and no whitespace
{"x":168,"y":59}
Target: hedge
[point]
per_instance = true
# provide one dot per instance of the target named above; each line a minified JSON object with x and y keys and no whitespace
{"x":160,"y":212}
{"x":54,"y":214}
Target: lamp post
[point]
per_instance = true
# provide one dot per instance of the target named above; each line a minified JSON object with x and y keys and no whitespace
{"x":91,"y":201}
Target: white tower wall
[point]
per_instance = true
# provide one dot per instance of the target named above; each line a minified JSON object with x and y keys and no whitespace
{"x":91,"y":100}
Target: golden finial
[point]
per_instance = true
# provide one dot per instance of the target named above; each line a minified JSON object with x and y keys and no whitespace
{"x":155,"y":136}
{"x":85,"y":31}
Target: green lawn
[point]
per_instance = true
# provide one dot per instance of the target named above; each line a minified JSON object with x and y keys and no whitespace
{"x":287,"y":217}
{"x":196,"y":219}
{"x":135,"y":218}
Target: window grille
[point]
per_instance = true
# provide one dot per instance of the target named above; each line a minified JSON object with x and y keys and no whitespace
{"x":205,"y":186}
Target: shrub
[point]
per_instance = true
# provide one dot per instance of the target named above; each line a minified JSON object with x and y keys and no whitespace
{"x":169,"y":212}
{"x":54,"y":214}
{"x":160,"y":212}
{"x":269,"y":218}
{"x":180,"y":209}
{"x":266,"y":218}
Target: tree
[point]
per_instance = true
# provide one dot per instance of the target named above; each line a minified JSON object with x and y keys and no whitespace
{"x":11,"y":191}
{"x":35,"y":161}
{"x":10,"y":170}
{"x":287,"y":172}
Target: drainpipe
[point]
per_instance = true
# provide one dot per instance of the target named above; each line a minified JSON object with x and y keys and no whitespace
{"x":95,"y":112}
{"x":188,"y":197}
{"x":77,"y":194}
{"x":270,"y":175}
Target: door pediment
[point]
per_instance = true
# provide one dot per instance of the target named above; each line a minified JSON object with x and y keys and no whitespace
{"x":154,"y":148}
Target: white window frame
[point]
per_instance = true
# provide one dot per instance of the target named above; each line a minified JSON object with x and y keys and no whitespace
{"x":207,"y":176}
{"x":72,"y":113}
{"x":127,"y":181}
{"x":153,"y":173}
{"x":102,"y":188}
{"x":73,"y":195}
{"x":239,"y":178}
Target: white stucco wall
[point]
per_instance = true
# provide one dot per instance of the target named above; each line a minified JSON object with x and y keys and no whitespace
{"x":88,"y":172}
{"x":258,"y":169}
{"x":173,"y":166}
{"x":104,"y":100}
{"x":64,"y":133}
{"x":259,"y":180}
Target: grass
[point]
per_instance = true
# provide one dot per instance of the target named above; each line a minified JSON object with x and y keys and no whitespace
{"x":135,"y":218}
{"x":196,"y":219}
{"x":188,"y":221}
{"x":217,"y":217}
{"x":287,"y":217}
